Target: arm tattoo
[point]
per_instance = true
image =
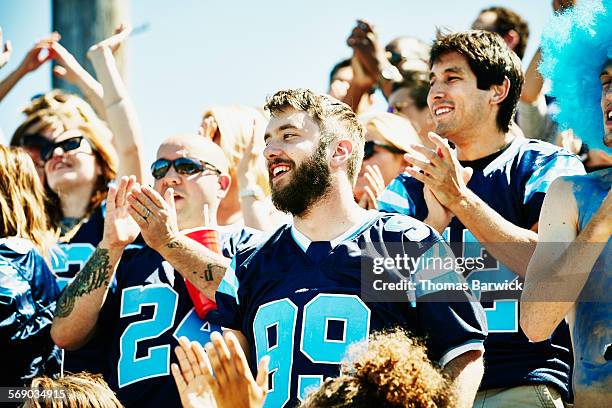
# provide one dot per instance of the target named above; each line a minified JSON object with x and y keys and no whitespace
{"x":210,"y":272}
{"x":176,"y":244}
{"x":93,"y":276}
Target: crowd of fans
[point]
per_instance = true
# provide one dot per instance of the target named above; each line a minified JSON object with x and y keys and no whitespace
{"x":117,"y":281}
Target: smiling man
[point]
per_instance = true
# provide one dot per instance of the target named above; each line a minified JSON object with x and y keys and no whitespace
{"x":137,"y":301}
{"x":475,"y":84}
{"x":297,"y":297}
{"x":569,"y":276}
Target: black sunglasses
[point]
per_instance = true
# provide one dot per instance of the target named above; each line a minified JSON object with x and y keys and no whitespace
{"x":182,"y":165}
{"x":36,"y":140}
{"x":368,"y":148}
{"x":67,"y":145}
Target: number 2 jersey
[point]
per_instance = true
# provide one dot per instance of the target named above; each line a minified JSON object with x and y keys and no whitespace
{"x":145,"y":313}
{"x":513,"y":183}
{"x":301,"y":303}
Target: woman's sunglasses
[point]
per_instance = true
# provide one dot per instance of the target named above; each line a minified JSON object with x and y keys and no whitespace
{"x":182,"y":165}
{"x":67,"y":145}
{"x":368,"y":149}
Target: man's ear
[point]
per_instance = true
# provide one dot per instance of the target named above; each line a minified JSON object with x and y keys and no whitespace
{"x":500,"y":92}
{"x":512,"y":38}
{"x":225,"y":182}
{"x":342,"y":152}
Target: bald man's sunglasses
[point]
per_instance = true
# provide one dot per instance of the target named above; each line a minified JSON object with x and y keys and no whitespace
{"x":182,"y":165}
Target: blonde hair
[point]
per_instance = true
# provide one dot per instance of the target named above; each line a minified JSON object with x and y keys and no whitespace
{"x":391,"y":370}
{"x":235,"y":124}
{"x":80,"y":390}
{"x":22,"y":201}
{"x":396,"y":130}
{"x":54,"y":110}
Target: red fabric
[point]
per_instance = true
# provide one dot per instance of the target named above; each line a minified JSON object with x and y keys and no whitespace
{"x":210,"y":239}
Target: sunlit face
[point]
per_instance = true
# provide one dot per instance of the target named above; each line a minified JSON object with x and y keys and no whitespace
{"x":298,"y":167}
{"x":341,"y":82}
{"x":401,"y":103}
{"x":191,"y":192}
{"x":455,"y":102}
{"x":606,"y":102}
{"x":390,"y":164}
{"x":68,"y":170}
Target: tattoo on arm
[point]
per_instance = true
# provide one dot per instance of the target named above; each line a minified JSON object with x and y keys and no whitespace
{"x":93,"y":276}
{"x":176,"y":244}
{"x":210,"y":272}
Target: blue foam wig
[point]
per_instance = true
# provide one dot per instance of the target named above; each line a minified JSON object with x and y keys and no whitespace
{"x":575,"y":46}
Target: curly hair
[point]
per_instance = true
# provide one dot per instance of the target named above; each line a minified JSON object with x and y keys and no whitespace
{"x":391,"y":370}
{"x":334,"y":118}
{"x":576,"y":44}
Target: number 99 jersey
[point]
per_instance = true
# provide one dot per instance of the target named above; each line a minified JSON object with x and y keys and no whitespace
{"x":301,"y":303}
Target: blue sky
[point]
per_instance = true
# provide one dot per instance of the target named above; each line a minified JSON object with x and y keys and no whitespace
{"x":200,"y":53}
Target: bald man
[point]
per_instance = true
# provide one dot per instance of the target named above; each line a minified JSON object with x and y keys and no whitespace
{"x":134,"y":299}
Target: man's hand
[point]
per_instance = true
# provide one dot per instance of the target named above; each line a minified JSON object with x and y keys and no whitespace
{"x":5,"y":51}
{"x":233,"y":385}
{"x":156,"y":216}
{"x":35,"y":58}
{"x":374,"y":188}
{"x":442,"y":173}
{"x":189,"y":375}
{"x":120,"y":230}
{"x":246,"y":168}
{"x":368,"y":50}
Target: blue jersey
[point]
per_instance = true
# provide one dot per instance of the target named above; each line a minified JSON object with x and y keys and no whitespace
{"x":512,"y":182}
{"x":301,"y":303}
{"x":28,"y":292}
{"x":145,"y":313}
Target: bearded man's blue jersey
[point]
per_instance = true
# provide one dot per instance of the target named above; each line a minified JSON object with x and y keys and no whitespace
{"x":302,"y":303}
{"x":145,"y":313}
{"x":28,"y":292}
{"x":513,"y":183}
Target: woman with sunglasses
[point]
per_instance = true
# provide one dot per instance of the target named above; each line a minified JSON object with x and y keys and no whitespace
{"x":388,"y":137}
{"x":28,"y":289}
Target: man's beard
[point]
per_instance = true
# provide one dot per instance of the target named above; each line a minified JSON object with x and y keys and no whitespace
{"x":310,"y":182}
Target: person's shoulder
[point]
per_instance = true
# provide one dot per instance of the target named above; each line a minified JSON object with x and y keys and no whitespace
{"x":583,"y":183}
{"x":18,"y":245}
{"x":538,"y":151}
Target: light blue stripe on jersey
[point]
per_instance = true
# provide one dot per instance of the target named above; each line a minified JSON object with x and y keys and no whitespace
{"x":559,"y":166}
{"x":395,"y":199}
{"x":229,"y":285}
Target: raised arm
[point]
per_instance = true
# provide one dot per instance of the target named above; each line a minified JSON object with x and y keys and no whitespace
{"x":120,"y":112}
{"x":79,"y":306}
{"x":156,"y":217}
{"x":31,"y":62}
{"x":68,"y":68}
{"x":5,"y":51}
{"x":562,"y":260}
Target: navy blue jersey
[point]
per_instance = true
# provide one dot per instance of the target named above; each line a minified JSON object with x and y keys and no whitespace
{"x":145,"y":313}
{"x":28,"y":292}
{"x":302,"y":303}
{"x":67,"y":262}
{"x":512,"y":182}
